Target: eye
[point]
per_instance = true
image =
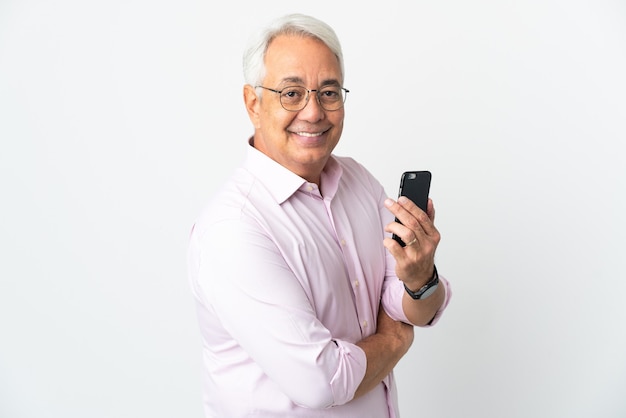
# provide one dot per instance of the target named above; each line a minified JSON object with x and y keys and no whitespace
{"x":293,"y":93}
{"x":331,"y":94}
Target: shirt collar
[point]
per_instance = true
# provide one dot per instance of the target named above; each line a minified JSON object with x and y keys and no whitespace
{"x":278,"y":180}
{"x":283,"y":183}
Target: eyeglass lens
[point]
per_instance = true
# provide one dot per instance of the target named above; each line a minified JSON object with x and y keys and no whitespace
{"x":296,"y":97}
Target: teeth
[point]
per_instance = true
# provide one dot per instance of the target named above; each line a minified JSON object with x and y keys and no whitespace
{"x":310,"y":134}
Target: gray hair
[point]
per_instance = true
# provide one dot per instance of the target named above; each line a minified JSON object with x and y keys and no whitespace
{"x":292,"y":24}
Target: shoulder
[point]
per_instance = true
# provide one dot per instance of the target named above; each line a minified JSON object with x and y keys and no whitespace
{"x":356,"y":174}
{"x":228,"y":203}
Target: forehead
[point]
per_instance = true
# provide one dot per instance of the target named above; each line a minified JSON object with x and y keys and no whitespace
{"x":291,"y":58}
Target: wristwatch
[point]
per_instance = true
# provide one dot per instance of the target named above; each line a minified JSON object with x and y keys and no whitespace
{"x":426,"y":290}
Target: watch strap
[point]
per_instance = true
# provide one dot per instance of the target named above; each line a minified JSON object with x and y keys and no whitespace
{"x":426,"y":290}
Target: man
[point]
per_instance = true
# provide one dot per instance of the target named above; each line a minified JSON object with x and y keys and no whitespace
{"x":300,"y":289}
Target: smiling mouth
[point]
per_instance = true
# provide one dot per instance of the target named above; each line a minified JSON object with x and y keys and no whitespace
{"x":311,"y":134}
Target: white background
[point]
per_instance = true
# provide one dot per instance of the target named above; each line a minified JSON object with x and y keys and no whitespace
{"x":118,"y":119}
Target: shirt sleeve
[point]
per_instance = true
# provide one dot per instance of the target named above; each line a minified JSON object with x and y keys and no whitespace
{"x":393,"y":293}
{"x":245,"y":280}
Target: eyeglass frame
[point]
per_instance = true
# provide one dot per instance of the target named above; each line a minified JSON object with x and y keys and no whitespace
{"x":308,"y":96}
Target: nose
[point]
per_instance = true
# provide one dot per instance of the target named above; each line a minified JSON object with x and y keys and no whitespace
{"x":312,"y":111}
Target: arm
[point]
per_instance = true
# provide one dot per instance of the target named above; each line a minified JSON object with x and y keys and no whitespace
{"x":415,"y":262}
{"x":259,"y":311}
{"x":383,"y":350}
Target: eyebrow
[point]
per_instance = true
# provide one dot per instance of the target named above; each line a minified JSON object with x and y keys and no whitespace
{"x":299,"y":81}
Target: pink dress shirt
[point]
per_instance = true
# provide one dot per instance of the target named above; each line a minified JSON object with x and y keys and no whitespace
{"x":286,"y":280}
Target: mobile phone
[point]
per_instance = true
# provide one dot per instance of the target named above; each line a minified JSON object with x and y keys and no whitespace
{"x":415,"y":185}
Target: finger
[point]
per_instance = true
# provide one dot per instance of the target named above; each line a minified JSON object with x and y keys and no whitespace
{"x":412,"y":242}
{"x":400,"y":231}
{"x":402,"y":211}
{"x":414,"y":218}
{"x":394,"y":207}
{"x":409,"y":205}
{"x":395,"y":249}
{"x":423,"y":221}
{"x":431,"y":210}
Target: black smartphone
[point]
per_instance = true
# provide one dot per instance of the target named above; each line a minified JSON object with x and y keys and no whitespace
{"x":415,"y":185}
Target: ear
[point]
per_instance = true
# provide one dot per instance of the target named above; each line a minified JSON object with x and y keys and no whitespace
{"x":252,"y":102}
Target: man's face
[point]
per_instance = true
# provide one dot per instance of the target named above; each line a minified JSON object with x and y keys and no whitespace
{"x":301,"y":141}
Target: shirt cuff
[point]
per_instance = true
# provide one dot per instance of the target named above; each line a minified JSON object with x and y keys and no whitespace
{"x":350,"y":372}
{"x":446,"y":300}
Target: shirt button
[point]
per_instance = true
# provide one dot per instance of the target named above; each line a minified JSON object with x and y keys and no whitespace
{"x":310,"y":188}
{"x":356,"y":283}
{"x":343,"y":242}
{"x":364,"y":324}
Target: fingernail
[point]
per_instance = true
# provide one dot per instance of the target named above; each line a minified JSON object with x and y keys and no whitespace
{"x":388,"y":202}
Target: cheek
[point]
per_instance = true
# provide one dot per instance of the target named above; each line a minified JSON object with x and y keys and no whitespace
{"x":269,"y":120}
{"x":282,"y":120}
{"x":274,"y":114}
{"x":338,"y":123}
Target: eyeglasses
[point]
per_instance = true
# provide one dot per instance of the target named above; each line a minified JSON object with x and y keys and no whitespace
{"x":295,"y":98}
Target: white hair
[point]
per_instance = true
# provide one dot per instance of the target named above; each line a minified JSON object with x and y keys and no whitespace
{"x":292,"y":24}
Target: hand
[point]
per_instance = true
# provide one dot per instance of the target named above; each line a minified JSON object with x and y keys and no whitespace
{"x":415,"y":262}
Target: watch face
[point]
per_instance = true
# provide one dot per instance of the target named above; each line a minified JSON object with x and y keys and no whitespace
{"x":429,"y":291}
{"x":426,"y":290}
